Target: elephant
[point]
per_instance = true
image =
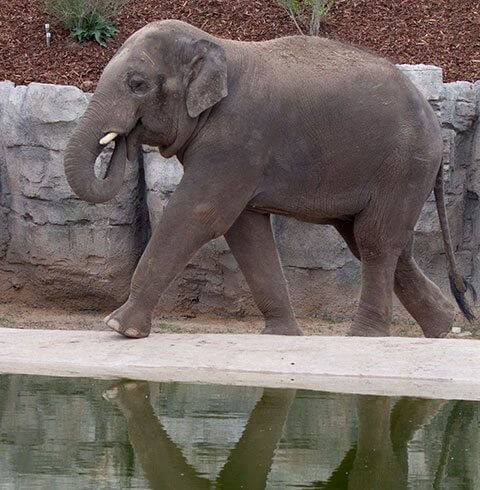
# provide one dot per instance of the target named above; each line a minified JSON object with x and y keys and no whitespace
{"x":300,"y":126}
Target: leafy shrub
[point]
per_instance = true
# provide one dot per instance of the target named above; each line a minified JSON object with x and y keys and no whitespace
{"x":307,"y":12}
{"x":86,"y":19}
{"x":94,"y":26}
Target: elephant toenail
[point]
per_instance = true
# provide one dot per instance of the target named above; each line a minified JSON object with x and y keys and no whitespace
{"x":113,"y":324}
{"x":132,"y":332}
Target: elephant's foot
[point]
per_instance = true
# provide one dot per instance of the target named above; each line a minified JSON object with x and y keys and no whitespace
{"x":130,"y":321}
{"x":436,"y":321}
{"x":279,"y":327}
{"x":371,"y":327}
{"x":368,"y":322}
{"x":437,"y":331}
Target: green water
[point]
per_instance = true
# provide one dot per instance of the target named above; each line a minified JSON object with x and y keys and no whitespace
{"x":95,"y":434}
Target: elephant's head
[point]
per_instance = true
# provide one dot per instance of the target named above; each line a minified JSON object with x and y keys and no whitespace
{"x":152,"y":91}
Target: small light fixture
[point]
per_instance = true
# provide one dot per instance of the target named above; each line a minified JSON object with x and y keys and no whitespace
{"x":48,"y":35}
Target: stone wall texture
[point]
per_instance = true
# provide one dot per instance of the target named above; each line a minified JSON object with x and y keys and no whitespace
{"x":56,"y":249}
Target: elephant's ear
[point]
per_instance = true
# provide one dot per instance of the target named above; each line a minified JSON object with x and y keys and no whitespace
{"x":208,"y":77}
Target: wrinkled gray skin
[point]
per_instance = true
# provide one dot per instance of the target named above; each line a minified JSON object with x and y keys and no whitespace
{"x":298,"y":126}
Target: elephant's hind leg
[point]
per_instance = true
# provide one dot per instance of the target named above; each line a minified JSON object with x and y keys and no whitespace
{"x":379,"y":241}
{"x":374,"y":312}
{"x":421,"y":297}
{"x":251,"y":241}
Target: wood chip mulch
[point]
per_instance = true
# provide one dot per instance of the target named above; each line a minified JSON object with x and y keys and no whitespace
{"x":441,"y":32}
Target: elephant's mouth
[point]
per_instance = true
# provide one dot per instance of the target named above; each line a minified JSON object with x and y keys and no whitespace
{"x":133,"y":140}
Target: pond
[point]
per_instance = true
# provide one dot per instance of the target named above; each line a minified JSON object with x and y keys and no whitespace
{"x":97,"y":434}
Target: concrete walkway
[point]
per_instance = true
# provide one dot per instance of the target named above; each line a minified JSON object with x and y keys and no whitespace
{"x":386,"y":366}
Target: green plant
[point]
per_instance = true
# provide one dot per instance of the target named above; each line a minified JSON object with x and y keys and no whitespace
{"x":307,"y":12}
{"x":86,"y":19}
{"x":94,"y":26}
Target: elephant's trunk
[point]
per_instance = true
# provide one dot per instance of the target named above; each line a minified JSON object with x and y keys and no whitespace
{"x":79,"y":162}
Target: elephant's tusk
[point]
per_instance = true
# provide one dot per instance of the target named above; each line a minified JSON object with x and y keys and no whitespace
{"x":107,"y":138}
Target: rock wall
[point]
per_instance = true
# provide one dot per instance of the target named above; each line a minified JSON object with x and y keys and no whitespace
{"x":55,"y":248}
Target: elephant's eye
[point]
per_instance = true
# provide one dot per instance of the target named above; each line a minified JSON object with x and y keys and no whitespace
{"x":137,"y":84}
{"x":161,"y":79}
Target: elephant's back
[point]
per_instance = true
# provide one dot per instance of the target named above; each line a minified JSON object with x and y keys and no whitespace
{"x":314,"y":54}
{"x":328,"y":80}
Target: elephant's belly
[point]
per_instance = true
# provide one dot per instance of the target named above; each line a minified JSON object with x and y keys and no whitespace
{"x":314,"y":206}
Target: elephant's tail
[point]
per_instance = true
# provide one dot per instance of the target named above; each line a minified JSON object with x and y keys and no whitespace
{"x":458,"y":284}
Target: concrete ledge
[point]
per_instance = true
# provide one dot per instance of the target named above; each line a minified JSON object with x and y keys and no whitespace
{"x":383,"y":366}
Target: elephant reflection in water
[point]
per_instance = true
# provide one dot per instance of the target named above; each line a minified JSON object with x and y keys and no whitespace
{"x":164,"y":464}
{"x":379,"y":460}
{"x":383,"y":434}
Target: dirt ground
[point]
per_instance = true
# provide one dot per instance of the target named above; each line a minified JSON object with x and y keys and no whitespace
{"x":441,"y":32}
{"x":19,"y":316}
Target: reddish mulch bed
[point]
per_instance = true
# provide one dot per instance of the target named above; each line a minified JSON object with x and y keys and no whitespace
{"x":441,"y":32}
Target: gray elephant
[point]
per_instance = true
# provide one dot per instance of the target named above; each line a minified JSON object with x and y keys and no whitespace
{"x":298,"y":126}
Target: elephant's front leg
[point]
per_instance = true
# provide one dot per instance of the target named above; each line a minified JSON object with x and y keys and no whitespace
{"x":198,"y":212}
{"x":251,"y":241}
